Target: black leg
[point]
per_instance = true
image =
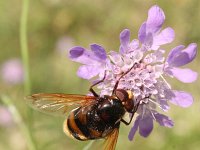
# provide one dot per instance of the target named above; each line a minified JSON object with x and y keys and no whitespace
{"x":132,"y":114}
{"x":116,"y":84}
{"x":91,"y":87}
{"x":135,"y":107}
{"x":127,"y":123}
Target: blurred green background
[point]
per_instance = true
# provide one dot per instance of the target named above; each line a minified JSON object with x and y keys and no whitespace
{"x":56,"y":25}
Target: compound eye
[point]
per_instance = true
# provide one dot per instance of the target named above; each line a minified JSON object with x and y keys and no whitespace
{"x":121,"y":94}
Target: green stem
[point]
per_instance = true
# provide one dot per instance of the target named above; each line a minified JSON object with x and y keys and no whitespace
{"x":25,"y":59}
{"x":24,"y":45}
{"x":19,"y":121}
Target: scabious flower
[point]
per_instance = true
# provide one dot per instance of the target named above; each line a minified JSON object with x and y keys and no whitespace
{"x":12,"y":71}
{"x":149,"y":67}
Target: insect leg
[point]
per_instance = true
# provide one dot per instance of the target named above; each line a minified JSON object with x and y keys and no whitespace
{"x":132,"y":114}
{"x":91,"y":87}
{"x":116,"y":84}
{"x":127,"y":123}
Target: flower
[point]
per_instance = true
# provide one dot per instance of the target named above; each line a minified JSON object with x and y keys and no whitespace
{"x":5,"y":116}
{"x":12,"y":71}
{"x":146,"y":68}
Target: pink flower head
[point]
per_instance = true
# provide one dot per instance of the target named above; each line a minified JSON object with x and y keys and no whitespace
{"x":149,"y":67}
{"x":12,"y":71}
{"x":5,"y":116}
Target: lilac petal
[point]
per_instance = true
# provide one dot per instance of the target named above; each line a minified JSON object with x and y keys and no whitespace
{"x":145,"y":126}
{"x":165,"y":36}
{"x":122,"y":50}
{"x":155,"y":19}
{"x":182,"y":99}
{"x":142,"y":33}
{"x":87,"y":72}
{"x":125,"y":37}
{"x":164,"y":120}
{"x":174,"y":52}
{"x":76,"y":52}
{"x":183,"y":57}
{"x":134,"y":44}
{"x":184,"y":75}
{"x":164,"y":105}
{"x":83,"y":56}
{"x":99,"y":51}
{"x":149,"y":40}
{"x":116,"y":58}
{"x":191,"y":50}
{"x":134,"y":128}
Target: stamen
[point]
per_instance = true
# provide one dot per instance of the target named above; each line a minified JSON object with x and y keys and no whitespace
{"x":154,"y":102}
{"x":143,"y":111}
{"x":151,"y":112}
{"x":165,"y":82}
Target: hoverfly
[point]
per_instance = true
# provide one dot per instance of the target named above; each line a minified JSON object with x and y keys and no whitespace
{"x":94,"y":117}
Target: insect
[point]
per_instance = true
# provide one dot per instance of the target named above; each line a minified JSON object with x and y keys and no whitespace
{"x":94,"y":117}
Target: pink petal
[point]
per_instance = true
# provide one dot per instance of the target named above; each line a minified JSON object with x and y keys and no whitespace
{"x":12,"y":71}
{"x":182,"y":99}
{"x":5,"y":117}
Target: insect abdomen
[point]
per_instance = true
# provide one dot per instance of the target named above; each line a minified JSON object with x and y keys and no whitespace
{"x":76,"y":126}
{"x":96,"y":121}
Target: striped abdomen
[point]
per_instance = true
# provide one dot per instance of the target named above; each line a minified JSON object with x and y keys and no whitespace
{"x":94,"y":122}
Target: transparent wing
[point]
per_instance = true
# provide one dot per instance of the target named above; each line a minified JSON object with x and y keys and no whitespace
{"x":111,"y":140}
{"x":58,"y":103}
{"x":109,"y":143}
{"x":95,"y":144}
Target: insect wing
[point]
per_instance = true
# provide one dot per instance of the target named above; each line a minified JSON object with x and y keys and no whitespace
{"x":94,"y":144}
{"x":58,"y":103}
{"x":109,"y":143}
{"x":111,"y":140}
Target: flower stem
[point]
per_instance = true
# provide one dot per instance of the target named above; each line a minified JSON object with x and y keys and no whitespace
{"x":19,"y":121}
{"x":27,"y":83}
{"x":24,"y":45}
